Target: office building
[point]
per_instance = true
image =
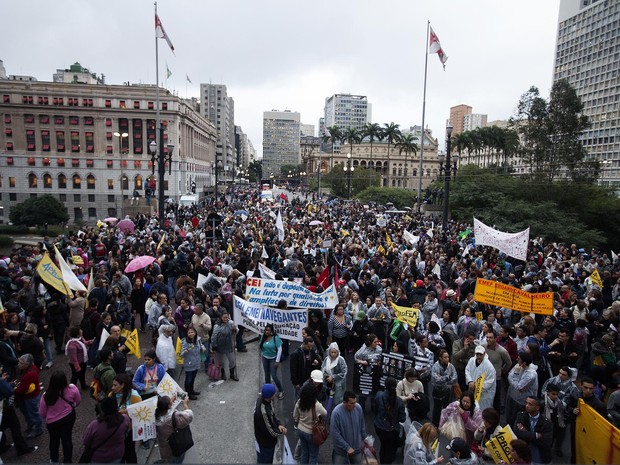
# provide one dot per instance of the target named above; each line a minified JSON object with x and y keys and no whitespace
{"x":587,"y":55}
{"x":281,"y":144}
{"x":457,"y":118}
{"x":345,"y":111}
{"x":219,"y":108}
{"x":473,"y":121}
{"x":306,"y":129}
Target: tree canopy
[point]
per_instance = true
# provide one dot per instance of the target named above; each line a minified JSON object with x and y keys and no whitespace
{"x":38,"y":211}
{"x":401,"y":198}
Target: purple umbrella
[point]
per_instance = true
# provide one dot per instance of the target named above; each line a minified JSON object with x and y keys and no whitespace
{"x":138,"y":263}
{"x":126,"y":225}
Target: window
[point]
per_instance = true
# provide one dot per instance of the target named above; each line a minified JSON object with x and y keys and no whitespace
{"x":13,"y":196}
{"x":75,"y":162}
{"x":8,"y":132}
{"x":89,"y":121}
{"x":6,"y":98}
{"x":138,"y":183}
{"x":111,"y":198}
{"x":62,"y":181}
{"x":77,"y":197}
{"x":60,"y":141}
{"x":110,"y":187}
{"x":90,"y":163}
{"x":9,"y":146}
{"x":62,"y":197}
{"x":27,"y":99}
{"x":108,"y":135}
{"x":7,"y":119}
{"x":87,"y":102}
{"x":92,"y":212}
{"x":77,"y":214}
{"x":108,"y":122}
{"x":75,"y":141}
{"x":30,"y":140}
{"x":43,"y":100}
{"x":150,"y":105}
{"x":74,"y":120}
{"x":164,"y":105}
{"x":45,"y":140}
{"x":11,"y":181}
{"x":137,"y":136}
{"x":109,"y":163}
{"x":109,"y":149}
{"x":122,"y":104}
{"x":125,"y":183}
{"x":137,"y":164}
{"x":112,"y":212}
{"x":91,"y":198}
{"x":90,"y":142}
{"x":77,"y":181}
{"x":44,"y":119}
{"x":29,"y":119}
{"x":47,"y":181}
{"x":108,"y":103}
{"x":90,"y":182}
{"x":136,"y":104}
{"x":60,"y":162}
{"x":59,"y":119}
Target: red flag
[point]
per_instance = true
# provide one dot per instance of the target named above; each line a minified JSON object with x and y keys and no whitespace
{"x":323,"y":279}
{"x":160,"y":33}
{"x":336,"y":281}
{"x":435,"y":47}
{"x":284,"y":197}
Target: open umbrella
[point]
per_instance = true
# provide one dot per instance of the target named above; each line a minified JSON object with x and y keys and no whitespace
{"x":241,"y":212}
{"x":138,"y":263}
{"x":126,"y":226}
{"x":315,"y":223}
{"x":110,"y":220}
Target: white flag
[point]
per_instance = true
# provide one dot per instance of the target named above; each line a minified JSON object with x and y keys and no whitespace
{"x":142,"y":415}
{"x":161,"y":34}
{"x":169,"y":387}
{"x":435,"y":47}
{"x":614,"y":256}
{"x":280,"y":226}
{"x":264,"y":254}
{"x":68,"y":276}
{"x":104,"y":337}
{"x":413,"y":240}
{"x":512,"y":244}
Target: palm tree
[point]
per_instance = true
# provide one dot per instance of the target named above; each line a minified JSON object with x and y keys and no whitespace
{"x":351,"y":136}
{"x":408,"y":145}
{"x":372,"y":131}
{"x":391,"y":133}
{"x":332,"y":135}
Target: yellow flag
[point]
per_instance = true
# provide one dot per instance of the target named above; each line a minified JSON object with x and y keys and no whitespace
{"x":344,"y":233}
{"x":179,"y":358}
{"x":132,"y":342}
{"x":100,"y":224}
{"x":161,"y":242}
{"x":478,"y":387}
{"x":50,"y":273}
{"x":229,"y":250}
{"x":406,"y":314}
{"x":388,"y":240}
{"x":596,"y":439}
{"x":596,"y":279}
{"x":76,"y":259}
{"x":381,"y":250}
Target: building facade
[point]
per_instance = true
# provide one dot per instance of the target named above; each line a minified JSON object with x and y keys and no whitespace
{"x":587,"y":55}
{"x":281,"y":141}
{"x":457,"y":118}
{"x":345,"y":111}
{"x":88,"y":145}
{"x":473,"y":121}
{"x":246,"y":153}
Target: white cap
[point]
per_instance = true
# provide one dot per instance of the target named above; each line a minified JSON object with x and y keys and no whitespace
{"x":317,"y":376}
{"x":480,"y":350}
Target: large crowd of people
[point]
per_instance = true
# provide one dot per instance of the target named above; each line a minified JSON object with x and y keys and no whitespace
{"x":533,"y":368}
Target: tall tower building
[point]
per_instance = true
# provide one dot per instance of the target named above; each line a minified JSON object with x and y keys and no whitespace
{"x":473,"y":121}
{"x":587,"y":56}
{"x":457,"y":117}
{"x":280,"y":140}
{"x":217,"y":106}
{"x":346,"y":111}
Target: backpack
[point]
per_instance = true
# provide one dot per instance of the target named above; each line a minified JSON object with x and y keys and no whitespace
{"x":95,"y":388}
{"x":87,"y":327}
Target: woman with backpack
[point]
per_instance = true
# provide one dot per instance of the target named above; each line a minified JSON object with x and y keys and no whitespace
{"x":222,"y":343}
{"x":57,"y":409}
{"x":307,"y":410}
{"x":271,"y":353}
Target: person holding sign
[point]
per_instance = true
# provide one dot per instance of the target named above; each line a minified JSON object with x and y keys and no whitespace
{"x":480,"y":377}
{"x":461,"y":418}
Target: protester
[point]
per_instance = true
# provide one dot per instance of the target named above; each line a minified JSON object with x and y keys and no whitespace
{"x":335,"y":372}
{"x":389,"y":414}
{"x":164,"y":415}
{"x":105,"y":435}
{"x":308,"y":410}
{"x":464,"y":417}
{"x":270,"y":347}
{"x":267,"y":427}
{"x":348,"y":431}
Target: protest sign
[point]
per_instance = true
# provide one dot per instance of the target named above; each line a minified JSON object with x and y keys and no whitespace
{"x":504,"y":295}
{"x":394,"y":365}
{"x":512,"y":244}
{"x":596,"y":439}
{"x":142,"y":416}
{"x":478,"y":387}
{"x":498,"y":446}
{"x":406,"y":315}
{"x":287,"y":323}
{"x":169,"y":387}
{"x":366,"y":378}
{"x":132,"y":342}
{"x":269,"y":292}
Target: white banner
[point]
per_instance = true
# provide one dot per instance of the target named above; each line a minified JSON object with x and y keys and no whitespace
{"x":512,"y":244}
{"x":265,"y":272}
{"x":269,"y":292}
{"x":142,"y":417}
{"x":287,"y":323}
{"x":169,"y":387}
{"x":413,"y":240}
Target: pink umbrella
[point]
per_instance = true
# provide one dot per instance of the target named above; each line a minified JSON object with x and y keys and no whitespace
{"x":126,"y":225}
{"x":138,"y":263}
{"x":110,"y":220}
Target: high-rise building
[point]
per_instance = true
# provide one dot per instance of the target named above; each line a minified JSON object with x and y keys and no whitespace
{"x":280,"y":140}
{"x":217,"y":106}
{"x":587,"y":55}
{"x":246,"y":153}
{"x":472,"y":121}
{"x":345,"y":111}
{"x":457,"y":118}
{"x":306,"y":129}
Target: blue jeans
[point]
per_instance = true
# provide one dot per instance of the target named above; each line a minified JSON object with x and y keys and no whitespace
{"x":269,"y":367}
{"x":30,"y":407}
{"x":309,"y":452}
{"x":343,"y":459}
{"x":190,"y":377}
{"x":265,"y":454}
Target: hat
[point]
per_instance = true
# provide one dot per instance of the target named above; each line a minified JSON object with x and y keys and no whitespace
{"x":317,"y":376}
{"x":419,"y":283}
{"x":458,"y":445}
{"x":479,"y":350}
{"x":360,"y":315}
{"x":268,"y":391}
{"x":450,"y":293}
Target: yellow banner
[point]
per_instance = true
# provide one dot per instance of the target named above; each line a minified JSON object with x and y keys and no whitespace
{"x":388,"y":240}
{"x":178,"y":351}
{"x":406,"y":315}
{"x":596,"y":279}
{"x":132,"y":342}
{"x":50,"y":273}
{"x":478,"y":387}
{"x":504,"y":295}
{"x":596,"y":440}
{"x":498,"y":446}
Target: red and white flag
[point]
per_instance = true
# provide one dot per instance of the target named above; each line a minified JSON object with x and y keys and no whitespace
{"x":435,"y":47}
{"x":323,"y":279}
{"x":160,"y":33}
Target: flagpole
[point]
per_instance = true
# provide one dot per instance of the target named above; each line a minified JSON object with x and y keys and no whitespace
{"x":419,"y":206}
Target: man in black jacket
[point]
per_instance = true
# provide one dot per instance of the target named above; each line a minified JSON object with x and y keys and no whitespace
{"x":535,"y":429}
{"x":267,"y":427}
{"x":303,"y":361}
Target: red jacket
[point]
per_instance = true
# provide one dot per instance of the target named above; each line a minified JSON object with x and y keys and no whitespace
{"x":29,"y":387}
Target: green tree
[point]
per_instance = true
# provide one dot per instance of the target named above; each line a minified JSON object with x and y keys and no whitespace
{"x":408,"y":145}
{"x":374,"y":132}
{"x":38,"y":211}
{"x":360,"y":178}
{"x":256,"y":170}
{"x":391,"y":133}
{"x":333,"y":135}
{"x":401,"y":198}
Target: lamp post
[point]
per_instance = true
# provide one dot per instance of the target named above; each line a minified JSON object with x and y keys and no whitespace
{"x":446,"y":194}
{"x":348,"y":169}
{"x":217,"y":166}
{"x":120,"y":147}
{"x":157,"y":154}
{"x":318,"y":176}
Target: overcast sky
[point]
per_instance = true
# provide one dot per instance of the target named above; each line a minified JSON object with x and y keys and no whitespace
{"x":288,"y":54}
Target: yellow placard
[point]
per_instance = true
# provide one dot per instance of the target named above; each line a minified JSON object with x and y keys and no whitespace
{"x":50,"y":273}
{"x":406,"y":315}
{"x":504,"y":295}
{"x":596,"y":440}
{"x":498,"y":446}
{"x":132,"y":342}
{"x":478,"y":387}
{"x":595,"y":277}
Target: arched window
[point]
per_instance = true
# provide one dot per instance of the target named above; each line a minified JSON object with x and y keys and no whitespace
{"x":77,"y":181}
{"x":47,"y":181}
{"x":32,"y":181}
{"x":90,"y":182}
{"x":138,"y":183}
{"x":125,"y":182}
{"x":62,"y":181}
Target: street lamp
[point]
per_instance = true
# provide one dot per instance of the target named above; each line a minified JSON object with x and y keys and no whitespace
{"x":446,"y":194}
{"x":157,"y":154}
{"x":120,"y":148}
{"x":348,"y":169}
{"x":216,"y":167}
{"x":318,"y":176}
